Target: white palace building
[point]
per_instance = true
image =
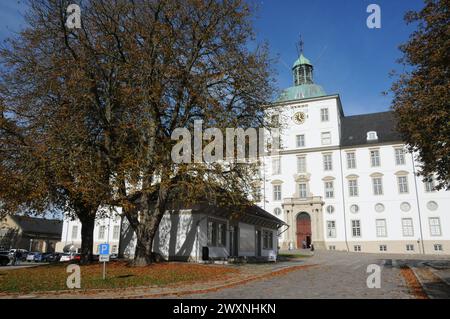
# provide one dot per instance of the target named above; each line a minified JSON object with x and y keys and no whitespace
{"x":347,"y":182}
{"x":337,"y":182}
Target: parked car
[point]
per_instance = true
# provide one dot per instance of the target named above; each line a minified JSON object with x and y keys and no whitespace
{"x":70,"y":257}
{"x":51,"y":257}
{"x":31,"y":256}
{"x":4,"y":258}
{"x":39,"y":257}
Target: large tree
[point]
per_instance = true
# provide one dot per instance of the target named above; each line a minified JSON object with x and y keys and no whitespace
{"x":49,"y":156}
{"x":187,"y":61}
{"x":422,"y":92}
{"x":134,"y":73}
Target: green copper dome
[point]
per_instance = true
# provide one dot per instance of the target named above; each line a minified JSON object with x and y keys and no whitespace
{"x":301,"y":60}
{"x":303,"y":91}
{"x":304,"y":86}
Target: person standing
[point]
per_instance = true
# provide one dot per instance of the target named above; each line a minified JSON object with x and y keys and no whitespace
{"x":13,"y":258}
{"x":17,"y":255}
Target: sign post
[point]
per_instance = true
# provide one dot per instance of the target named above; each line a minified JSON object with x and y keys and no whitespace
{"x":104,"y":256}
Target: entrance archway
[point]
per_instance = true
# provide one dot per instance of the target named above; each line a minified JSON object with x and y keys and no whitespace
{"x":303,"y":230}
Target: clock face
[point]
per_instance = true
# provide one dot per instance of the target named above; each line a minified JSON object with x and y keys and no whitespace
{"x":299,"y":117}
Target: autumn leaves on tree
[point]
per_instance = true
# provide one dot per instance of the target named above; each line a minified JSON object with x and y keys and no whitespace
{"x":88,"y":114}
{"x":422,"y":94}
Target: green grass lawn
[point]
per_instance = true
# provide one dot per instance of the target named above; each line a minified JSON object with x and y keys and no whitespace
{"x":119,"y":275}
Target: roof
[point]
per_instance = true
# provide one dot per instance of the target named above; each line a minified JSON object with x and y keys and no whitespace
{"x":301,"y":60}
{"x":38,"y":225}
{"x":303,"y":91}
{"x":355,"y":129}
{"x":251,"y":214}
{"x":259,"y":212}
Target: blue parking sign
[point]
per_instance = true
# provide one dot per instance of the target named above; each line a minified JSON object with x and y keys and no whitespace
{"x":103,"y":249}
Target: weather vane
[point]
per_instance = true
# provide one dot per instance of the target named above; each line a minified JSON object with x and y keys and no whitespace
{"x":300,"y":45}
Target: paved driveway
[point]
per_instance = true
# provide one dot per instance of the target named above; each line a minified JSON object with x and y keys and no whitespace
{"x":339,"y":275}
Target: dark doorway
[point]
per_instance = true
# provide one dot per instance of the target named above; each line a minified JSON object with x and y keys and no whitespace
{"x":303,"y":230}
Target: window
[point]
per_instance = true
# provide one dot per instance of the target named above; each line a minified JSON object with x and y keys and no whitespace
{"x":429,"y":184}
{"x":435,"y":226}
{"x":375,"y":158}
{"x":399,"y":156}
{"x":275,"y":120}
{"x":351,"y":160}
{"x":329,"y":189}
{"x":301,"y":164}
{"x":74,"y":232}
{"x":221,"y":234}
{"x":277,"y":192}
{"x":276,"y":166}
{"x":326,"y":138}
{"x":330,"y":209}
{"x":327,"y":162}
{"x":332,"y":247}
{"x":356,"y":228}
{"x":211,"y":233}
{"x":267,"y":239}
{"x":381,"y":227}
{"x":277,"y":211}
{"x":409,"y":247}
{"x":402,"y":184}
{"x":377,"y":186}
{"x":114,"y":249}
{"x":357,"y":248}
{"x":383,"y":248}
{"x":217,"y":233}
{"x":331,"y":229}
{"x":101,"y":232}
{"x":353,"y":187}
{"x":407,"y":227}
{"x":438,"y":247}
{"x":300,"y":140}
{"x":354,"y":209}
{"x":324,"y":116}
{"x":372,"y":136}
{"x":302,"y":193}
{"x":116,"y":232}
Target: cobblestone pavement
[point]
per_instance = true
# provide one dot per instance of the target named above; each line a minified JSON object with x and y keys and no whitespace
{"x":339,"y":275}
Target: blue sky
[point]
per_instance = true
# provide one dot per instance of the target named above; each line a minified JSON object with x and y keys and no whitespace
{"x":349,"y":58}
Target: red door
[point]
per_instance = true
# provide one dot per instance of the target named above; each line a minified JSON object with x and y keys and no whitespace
{"x":303,"y":230}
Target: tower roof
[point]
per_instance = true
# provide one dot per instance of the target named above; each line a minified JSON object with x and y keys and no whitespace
{"x":302,"y":60}
{"x":303,"y":91}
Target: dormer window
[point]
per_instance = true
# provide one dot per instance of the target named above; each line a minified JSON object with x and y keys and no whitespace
{"x":372,"y":136}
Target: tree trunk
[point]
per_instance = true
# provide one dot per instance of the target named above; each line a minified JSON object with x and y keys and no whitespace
{"x":144,"y":245}
{"x":87,"y":239}
{"x":146,"y":227}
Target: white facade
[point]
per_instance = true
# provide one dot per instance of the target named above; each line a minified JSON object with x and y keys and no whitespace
{"x":106,"y":230}
{"x":361,"y":193}
{"x":182,"y":235}
{"x":343,"y":183}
